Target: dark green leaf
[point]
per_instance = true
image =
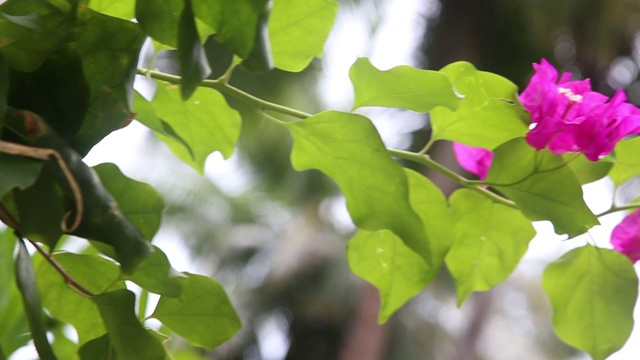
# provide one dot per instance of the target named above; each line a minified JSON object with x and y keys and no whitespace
{"x":490,"y":240}
{"x":14,"y":330}
{"x":489,"y":114}
{"x":101,"y":219}
{"x":129,"y":339}
{"x":97,"y":349}
{"x":57,"y":91}
{"x":403,"y":87}
{"x":155,"y":274}
{"x":4,"y":89}
{"x":298,"y":30}
{"x":259,"y":58}
{"x":17,"y":172}
{"x":588,"y":171}
{"x":627,"y":161}
{"x":205,"y":122}
{"x":109,"y":50}
{"x":138,"y":201}
{"x":593,"y":292}
{"x":202,"y":314}
{"x":235,"y":22}
{"x":542,"y":186}
{"x":32,"y":29}
{"x":347,"y":148}
{"x":26,"y":279}
{"x":41,"y":209}
{"x":381,"y":258}
{"x":66,"y":304}
{"x":159,"y":19}
{"x":194,"y":66}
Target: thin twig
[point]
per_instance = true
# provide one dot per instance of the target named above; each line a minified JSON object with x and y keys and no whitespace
{"x":46,"y":154}
{"x":67,"y":278}
{"x":11,"y":221}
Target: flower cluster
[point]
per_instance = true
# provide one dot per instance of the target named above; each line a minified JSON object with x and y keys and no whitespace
{"x":567,"y":116}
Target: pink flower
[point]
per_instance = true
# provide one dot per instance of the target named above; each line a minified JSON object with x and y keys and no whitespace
{"x":625,"y":237}
{"x":566,"y":116}
{"x":473,"y":159}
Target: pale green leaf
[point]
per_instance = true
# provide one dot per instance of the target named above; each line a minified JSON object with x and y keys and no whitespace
{"x":402,"y":87}
{"x":123,"y":9}
{"x":588,"y":171}
{"x":203,"y":314}
{"x":138,"y":201}
{"x":382,"y":258}
{"x":490,"y":240}
{"x":205,"y":122}
{"x":627,"y":161}
{"x":156,"y":275}
{"x":542,"y":185}
{"x":593,"y":292}
{"x":298,"y":30}
{"x":347,"y":148}
{"x":488,"y":115}
{"x":94,"y":273}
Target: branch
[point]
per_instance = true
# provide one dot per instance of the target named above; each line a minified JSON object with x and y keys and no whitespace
{"x":631,"y":206}
{"x":11,"y":221}
{"x":426,"y":160}
{"x":45,"y":154}
{"x":223,"y":87}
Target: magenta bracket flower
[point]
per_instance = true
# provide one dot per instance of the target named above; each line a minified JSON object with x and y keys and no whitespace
{"x":473,"y":159}
{"x":625,"y":237}
{"x":567,"y":116}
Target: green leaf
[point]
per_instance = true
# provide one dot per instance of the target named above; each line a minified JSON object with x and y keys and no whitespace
{"x":138,"y":201}
{"x":66,"y":304}
{"x":235,"y":22}
{"x":123,"y":9}
{"x":593,"y":292}
{"x":490,"y":240}
{"x":298,"y":30}
{"x":14,"y":330}
{"x":32,"y":29}
{"x":109,"y":50}
{"x":160,"y":19}
{"x":403,"y":87}
{"x":17,"y":172}
{"x":382,"y":258}
{"x":202,"y":314}
{"x":155,"y":274}
{"x":26,"y":279}
{"x":489,"y":115}
{"x":205,"y":122}
{"x":194,"y":66}
{"x":347,"y":148}
{"x":588,"y":171}
{"x":129,"y":339}
{"x":542,"y":186}
{"x":627,"y":162}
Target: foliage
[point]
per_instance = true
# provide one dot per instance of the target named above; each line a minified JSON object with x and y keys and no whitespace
{"x":66,"y":80}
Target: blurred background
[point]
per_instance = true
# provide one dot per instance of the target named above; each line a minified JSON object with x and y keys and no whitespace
{"x":276,"y":238}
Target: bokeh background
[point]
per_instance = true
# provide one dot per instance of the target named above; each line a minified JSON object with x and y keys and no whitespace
{"x":276,"y":238}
